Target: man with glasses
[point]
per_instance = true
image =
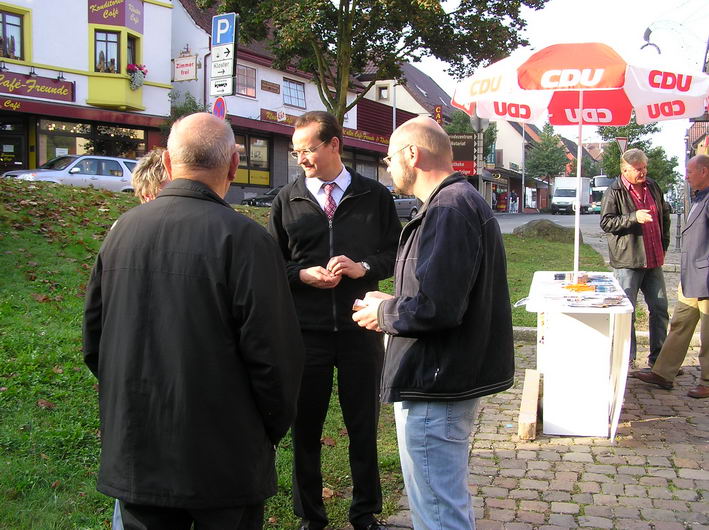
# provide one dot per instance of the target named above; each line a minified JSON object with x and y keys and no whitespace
{"x":637,"y":219}
{"x":450,"y":325}
{"x":338,"y":233}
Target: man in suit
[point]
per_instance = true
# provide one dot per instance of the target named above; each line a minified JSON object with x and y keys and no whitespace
{"x":693,"y":292}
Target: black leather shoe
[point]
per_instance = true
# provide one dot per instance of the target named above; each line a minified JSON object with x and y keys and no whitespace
{"x":654,"y":379}
{"x":310,"y":525}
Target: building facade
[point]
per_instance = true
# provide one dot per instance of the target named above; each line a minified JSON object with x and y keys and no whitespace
{"x":72,"y":91}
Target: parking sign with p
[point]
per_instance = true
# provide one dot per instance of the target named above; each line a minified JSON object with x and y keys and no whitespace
{"x":223,"y":29}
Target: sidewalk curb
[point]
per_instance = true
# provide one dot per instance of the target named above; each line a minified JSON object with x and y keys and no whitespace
{"x":526,"y":334}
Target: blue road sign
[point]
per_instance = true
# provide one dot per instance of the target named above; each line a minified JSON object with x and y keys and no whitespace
{"x":223,"y":29}
{"x":219,"y":108}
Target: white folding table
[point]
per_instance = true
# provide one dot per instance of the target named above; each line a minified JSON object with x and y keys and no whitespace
{"x":582,"y":353}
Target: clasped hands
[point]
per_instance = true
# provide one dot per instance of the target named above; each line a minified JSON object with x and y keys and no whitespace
{"x":329,"y":276}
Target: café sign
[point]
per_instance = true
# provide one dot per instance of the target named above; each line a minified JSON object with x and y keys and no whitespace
{"x":127,"y":13}
{"x":35,"y":86}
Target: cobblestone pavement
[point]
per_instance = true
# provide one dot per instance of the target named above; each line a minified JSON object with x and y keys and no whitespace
{"x":654,"y":476}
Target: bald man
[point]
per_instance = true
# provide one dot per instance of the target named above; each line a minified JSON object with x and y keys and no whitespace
{"x":450,"y":324}
{"x":190,"y":328}
{"x":693,"y":292}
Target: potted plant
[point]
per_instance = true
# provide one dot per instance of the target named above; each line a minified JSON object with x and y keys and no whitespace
{"x":137,"y":73}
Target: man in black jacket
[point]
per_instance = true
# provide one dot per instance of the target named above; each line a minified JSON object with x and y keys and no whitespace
{"x":337,"y":231}
{"x":450,"y":324}
{"x":192,"y":333}
{"x":637,"y":219}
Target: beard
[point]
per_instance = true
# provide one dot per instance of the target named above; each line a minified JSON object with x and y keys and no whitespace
{"x":408,"y":178}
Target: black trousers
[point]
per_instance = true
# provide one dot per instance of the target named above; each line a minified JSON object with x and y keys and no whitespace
{"x":358,"y":356}
{"x":140,"y":517}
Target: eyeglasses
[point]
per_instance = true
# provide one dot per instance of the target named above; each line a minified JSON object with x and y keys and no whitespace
{"x":387,"y":159}
{"x":305,"y":152}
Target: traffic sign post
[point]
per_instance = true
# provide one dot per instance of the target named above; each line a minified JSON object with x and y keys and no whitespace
{"x":219,"y":108}
{"x":622,"y":143}
{"x":225,"y":33}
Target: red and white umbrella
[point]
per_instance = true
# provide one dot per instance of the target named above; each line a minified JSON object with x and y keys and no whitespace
{"x":580,"y":84}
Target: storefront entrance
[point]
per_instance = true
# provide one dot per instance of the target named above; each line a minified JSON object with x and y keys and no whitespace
{"x":13,"y":143}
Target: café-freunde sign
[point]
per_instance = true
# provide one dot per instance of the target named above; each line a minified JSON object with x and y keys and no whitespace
{"x":35,"y":86}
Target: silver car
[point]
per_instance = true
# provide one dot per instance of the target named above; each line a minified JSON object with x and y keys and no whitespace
{"x":407,"y":206}
{"x":104,"y":172}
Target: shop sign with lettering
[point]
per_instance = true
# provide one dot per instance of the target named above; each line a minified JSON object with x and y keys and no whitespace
{"x":35,"y":86}
{"x":128,"y":13}
{"x":185,"y":68}
{"x":271,"y":115}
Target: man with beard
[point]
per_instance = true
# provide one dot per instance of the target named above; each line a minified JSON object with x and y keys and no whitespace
{"x":450,"y":324}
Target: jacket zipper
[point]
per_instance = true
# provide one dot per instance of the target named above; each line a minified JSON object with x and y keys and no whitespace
{"x":331,"y":235}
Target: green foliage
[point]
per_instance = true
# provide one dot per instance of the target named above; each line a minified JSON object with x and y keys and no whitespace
{"x":460,"y":124}
{"x":589,"y":167}
{"x":659,"y":168}
{"x":336,"y":41}
{"x":180,"y":107}
{"x":547,"y":158}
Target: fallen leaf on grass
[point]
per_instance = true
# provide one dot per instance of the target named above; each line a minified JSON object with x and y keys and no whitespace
{"x":3,"y":388}
{"x":58,"y":369}
{"x":55,"y":484}
{"x":44,"y":404}
{"x":328,"y":441}
{"x":343,"y":431}
{"x":272,"y":520}
{"x":41,"y":297}
{"x":43,"y":456}
{"x":327,"y":493}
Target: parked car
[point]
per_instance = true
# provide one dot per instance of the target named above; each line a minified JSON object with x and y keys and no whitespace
{"x":104,"y":172}
{"x":265,"y":199}
{"x":407,"y":206}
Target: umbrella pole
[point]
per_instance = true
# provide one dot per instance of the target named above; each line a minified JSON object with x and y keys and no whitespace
{"x":577,"y":220}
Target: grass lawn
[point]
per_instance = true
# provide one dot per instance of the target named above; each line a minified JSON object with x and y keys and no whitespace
{"x":49,"y":439}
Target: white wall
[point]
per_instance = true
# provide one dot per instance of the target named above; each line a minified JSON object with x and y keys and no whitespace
{"x":61,"y":39}
{"x":510,"y":141}
{"x":185,"y":31}
{"x":404,"y":101}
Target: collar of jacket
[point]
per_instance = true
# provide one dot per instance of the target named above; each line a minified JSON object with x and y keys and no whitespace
{"x":356,"y":187}
{"x":191,"y":188}
{"x":450,"y":179}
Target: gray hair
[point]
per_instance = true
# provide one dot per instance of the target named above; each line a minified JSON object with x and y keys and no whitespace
{"x":633,"y":156}
{"x":203,"y":147}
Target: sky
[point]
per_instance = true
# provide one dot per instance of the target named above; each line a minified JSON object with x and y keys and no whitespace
{"x":679,"y":29}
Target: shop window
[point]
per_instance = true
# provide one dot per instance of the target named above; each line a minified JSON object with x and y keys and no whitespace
{"x":253,"y":161}
{"x":106,"y":52}
{"x":132,"y":50}
{"x":293,"y":93}
{"x":246,"y":81}
{"x":11,"y":35}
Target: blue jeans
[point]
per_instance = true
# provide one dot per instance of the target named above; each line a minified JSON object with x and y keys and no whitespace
{"x":433,"y":441}
{"x":652,"y":284}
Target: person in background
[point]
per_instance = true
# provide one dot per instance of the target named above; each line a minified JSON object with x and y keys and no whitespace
{"x":190,"y":328}
{"x":337,"y":231}
{"x":449,"y":324}
{"x":693,"y":292}
{"x":149,"y":175}
{"x":636,"y":218}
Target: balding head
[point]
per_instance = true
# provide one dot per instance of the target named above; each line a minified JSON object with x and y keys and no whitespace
{"x":426,"y":133}
{"x":698,"y":172}
{"x":202,"y":147}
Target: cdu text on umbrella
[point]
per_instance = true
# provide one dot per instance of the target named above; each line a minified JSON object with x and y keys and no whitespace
{"x":589,"y":115}
{"x":670,"y":80}
{"x":513,"y":110}
{"x":666,"y":108}
{"x":572,"y":77}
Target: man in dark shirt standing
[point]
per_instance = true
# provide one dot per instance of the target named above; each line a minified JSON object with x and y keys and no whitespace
{"x":637,"y":219}
{"x":338,"y":233}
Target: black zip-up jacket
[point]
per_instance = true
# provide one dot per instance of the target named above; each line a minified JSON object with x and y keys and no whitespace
{"x":365,"y":228}
{"x":451,"y":319}
{"x":190,"y":328}
{"x":625,"y":235}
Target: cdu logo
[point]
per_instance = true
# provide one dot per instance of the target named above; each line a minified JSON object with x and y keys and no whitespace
{"x":572,"y":77}
{"x":670,"y":81}
{"x":666,"y":108}
{"x":513,"y":110}
{"x":485,"y":85}
{"x":589,"y":115}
